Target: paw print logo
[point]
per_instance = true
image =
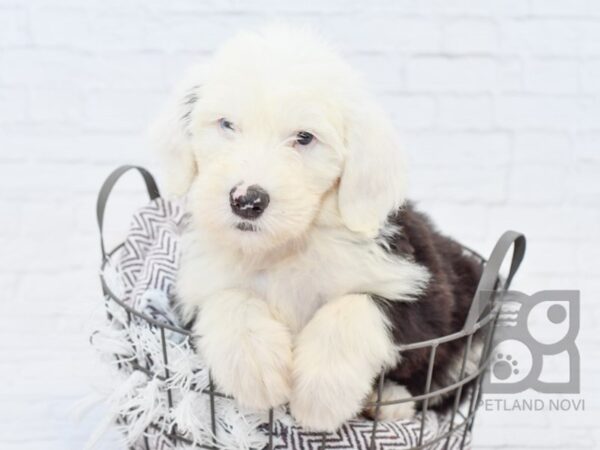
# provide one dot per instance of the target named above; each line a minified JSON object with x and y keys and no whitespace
{"x":533,"y":334}
{"x":505,"y":366}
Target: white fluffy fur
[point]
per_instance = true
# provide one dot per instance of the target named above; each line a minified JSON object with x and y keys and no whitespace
{"x":396,"y":411}
{"x":249,"y":352}
{"x":296,"y":280}
{"x":455,"y":368}
{"x":336,"y":357}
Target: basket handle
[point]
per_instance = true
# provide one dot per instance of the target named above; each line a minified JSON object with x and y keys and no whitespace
{"x":107,"y":187}
{"x":491,"y":272}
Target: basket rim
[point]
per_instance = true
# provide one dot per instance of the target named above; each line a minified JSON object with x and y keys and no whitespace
{"x":483,"y":321}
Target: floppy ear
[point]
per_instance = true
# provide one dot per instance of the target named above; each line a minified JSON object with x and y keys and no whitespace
{"x":172,"y":136}
{"x":373,"y":182}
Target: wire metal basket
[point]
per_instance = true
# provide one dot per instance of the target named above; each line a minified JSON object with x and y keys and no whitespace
{"x":467,"y":388}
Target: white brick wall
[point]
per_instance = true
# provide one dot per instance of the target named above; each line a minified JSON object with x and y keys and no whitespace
{"x":498,"y":103}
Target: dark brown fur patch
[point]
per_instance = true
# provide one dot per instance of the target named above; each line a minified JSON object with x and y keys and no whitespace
{"x":439,"y":311}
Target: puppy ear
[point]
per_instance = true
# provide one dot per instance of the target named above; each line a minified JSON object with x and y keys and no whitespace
{"x":373,"y":182}
{"x":172,"y":137}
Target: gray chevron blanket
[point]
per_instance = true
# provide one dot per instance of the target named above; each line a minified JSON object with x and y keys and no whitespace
{"x":162,"y":404}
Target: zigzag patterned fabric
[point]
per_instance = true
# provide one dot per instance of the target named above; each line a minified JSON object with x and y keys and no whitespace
{"x":146,"y":269}
{"x":356,"y":434}
{"x":151,"y":255}
{"x":150,"y":259}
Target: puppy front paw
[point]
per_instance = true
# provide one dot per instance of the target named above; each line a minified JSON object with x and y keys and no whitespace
{"x":336,"y":361}
{"x":249,"y":361}
{"x":323,"y":398}
{"x":257,"y":374}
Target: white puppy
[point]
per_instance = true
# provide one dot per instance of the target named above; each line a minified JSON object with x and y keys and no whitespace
{"x":290,"y":171}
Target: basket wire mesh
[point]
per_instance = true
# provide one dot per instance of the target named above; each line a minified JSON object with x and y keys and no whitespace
{"x":481,"y":321}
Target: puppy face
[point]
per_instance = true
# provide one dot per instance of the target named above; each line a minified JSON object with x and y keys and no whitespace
{"x":266,"y":151}
{"x":261,"y":135}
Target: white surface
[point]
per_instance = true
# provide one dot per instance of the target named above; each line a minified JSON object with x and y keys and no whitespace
{"x":498,"y":103}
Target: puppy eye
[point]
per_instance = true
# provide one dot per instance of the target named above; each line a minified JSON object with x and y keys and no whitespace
{"x":226,"y":124}
{"x":304,"y":138}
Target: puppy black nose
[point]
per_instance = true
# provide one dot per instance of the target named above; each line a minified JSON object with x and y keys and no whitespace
{"x":251,"y":204}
